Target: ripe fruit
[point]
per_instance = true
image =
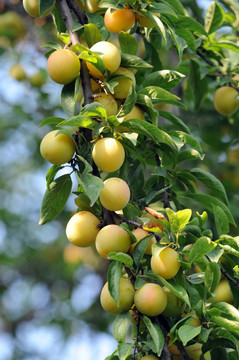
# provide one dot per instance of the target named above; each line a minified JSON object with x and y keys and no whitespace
{"x":119,"y":20}
{"x":109,"y":103}
{"x":32,"y":8}
{"x":17,"y":72}
{"x":223,"y":293}
{"x":140,"y":234}
{"x":165,"y":263}
{"x":135,"y":113}
{"x":74,"y":255}
{"x":124,"y":84}
{"x":108,"y":154}
{"x":112,"y":238}
{"x":149,"y":357}
{"x":57,"y":149}
{"x":115,"y":194}
{"x":125,"y":300}
{"x":63,"y":66}
{"x":150,"y":299}
{"x":82,"y":228}
{"x":193,"y":322}
{"x":109,"y":54}
{"x":195,"y":351}
{"x":224,"y":100}
{"x":174,"y":305}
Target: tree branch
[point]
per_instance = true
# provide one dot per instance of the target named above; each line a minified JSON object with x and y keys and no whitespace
{"x":230,"y":278}
{"x":78,"y":12}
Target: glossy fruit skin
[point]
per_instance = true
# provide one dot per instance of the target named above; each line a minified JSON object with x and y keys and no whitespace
{"x":223,"y":293}
{"x":82,"y":228}
{"x":224,"y":100}
{"x":111,"y":57}
{"x":108,"y":154}
{"x":174,"y":304}
{"x":32,"y":8}
{"x":57,"y":149}
{"x":63,"y":66}
{"x":17,"y":72}
{"x":112,"y":238}
{"x":115,"y":194}
{"x":140,"y":234}
{"x":124,"y":85}
{"x":109,"y":103}
{"x":119,"y":20}
{"x":150,"y":299}
{"x":125,"y":300}
{"x":164,"y":263}
{"x":149,"y":357}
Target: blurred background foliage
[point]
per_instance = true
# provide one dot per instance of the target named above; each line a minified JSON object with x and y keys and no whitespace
{"x":49,"y":289}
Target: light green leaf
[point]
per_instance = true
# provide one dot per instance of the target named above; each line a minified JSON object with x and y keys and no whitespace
{"x":128,"y":43}
{"x":183,"y":217}
{"x":122,"y":257}
{"x":212,"y":277}
{"x":188,"y":332}
{"x":156,"y":334}
{"x":92,"y":34}
{"x":200,"y":248}
{"x":121,"y":325}
{"x":214,"y":17}
{"x":124,"y":350}
{"x":51,"y":120}
{"x":221,"y":220}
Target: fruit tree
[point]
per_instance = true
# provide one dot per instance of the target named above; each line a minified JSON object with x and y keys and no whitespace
{"x":125,"y":149}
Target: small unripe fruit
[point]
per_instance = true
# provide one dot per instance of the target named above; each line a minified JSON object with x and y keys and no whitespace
{"x":149,"y":357}
{"x":32,"y":8}
{"x":150,"y":299}
{"x":38,"y":79}
{"x":195,"y":351}
{"x":165,"y":263}
{"x":82,"y":228}
{"x":224,"y":100}
{"x":17,"y":72}
{"x":108,"y":154}
{"x":109,"y":103}
{"x":63,"y":66}
{"x":140,"y":234}
{"x":119,"y":20}
{"x":126,"y":298}
{"x":115,"y":194}
{"x":112,"y":238}
{"x":124,"y":84}
{"x":109,"y":54}
{"x":57,"y":149}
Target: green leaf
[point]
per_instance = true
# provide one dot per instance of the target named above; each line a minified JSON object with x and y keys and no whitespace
{"x":78,"y":121}
{"x":226,"y":316}
{"x":51,"y":173}
{"x":94,"y":60}
{"x":146,"y":102}
{"x":113,"y":278}
{"x":229,"y":45}
{"x":92,"y":34}
{"x":55,"y":198}
{"x":183,"y":217}
{"x":51,"y":120}
{"x":214,"y":17}
{"x":58,"y":21}
{"x":188,"y":332}
{"x":45,"y":5}
{"x":160,"y":95}
{"x":176,"y":4}
{"x":121,"y":325}
{"x":207,"y":201}
{"x":128,"y":43}
{"x":156,"y":334}
{"x":129,"y":102}
{"x":197,"y":86}
{"x":221,"y":220}
{"x":175,"y":120}
{"x":122,"y":257}
{"x":88,"y":167}
{"x":212,"y":277}
{"x":200,"y":248}
{"x":149,"y":130}
{"x":132,"y":61}
{"x":91,"y":186}
{"x":68,"y":98}
{"x":94,"y":110}
{"x":125,"y":349}
{"x":158,"y":24}
{"x":188,"y":37}
{"x":140,"y":248}
{"x":188,"y":154}
{"x":186,"y":139}
{"x":211,"y":182}
{"x":166,"y":79}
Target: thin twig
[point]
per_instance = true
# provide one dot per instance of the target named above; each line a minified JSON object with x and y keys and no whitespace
{"x":230,"y":278}
{"x":79,"y":13}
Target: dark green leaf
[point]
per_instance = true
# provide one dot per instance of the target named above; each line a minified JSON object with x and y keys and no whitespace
{"x":156,"y":334}
{"x":132,"y":61}
{"x":166,"y":79}
{"x":113,"y":278}
{"x":68,"y":100}
{"x":51,"y":173}
{"x":212,"y":276}
{"x":55,"y":198}
{"x":185,"y":138}
{"x":221,"y":220}
{"x":57,"y":18}
{"x":175,"y":120}
{"x":140,"y":248}
{"x":45,"y":5}
{"x":214,"y":17}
